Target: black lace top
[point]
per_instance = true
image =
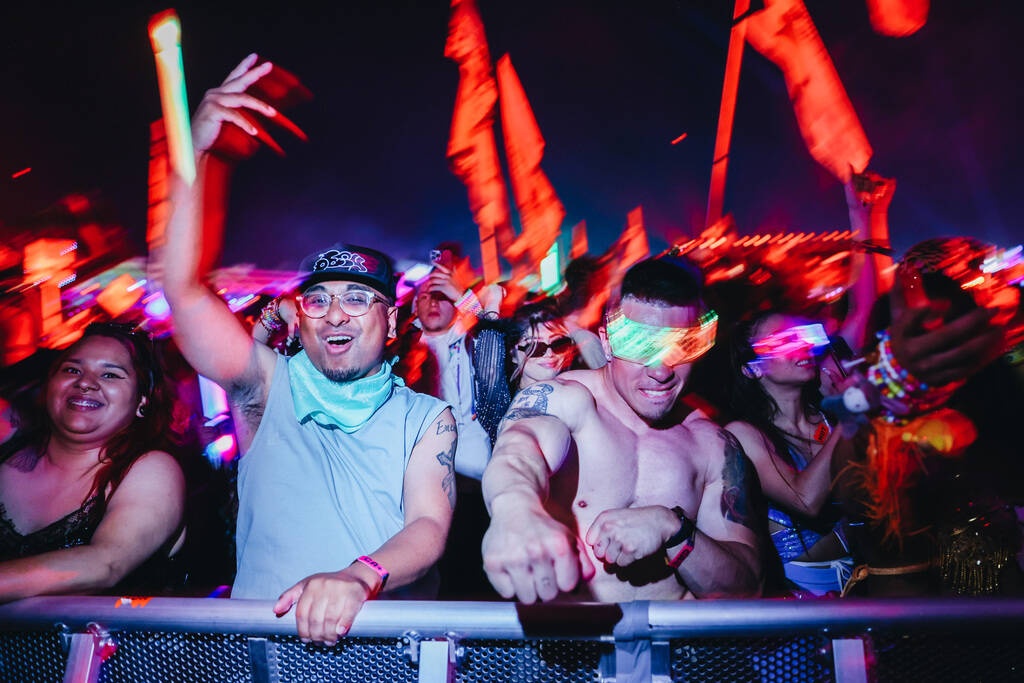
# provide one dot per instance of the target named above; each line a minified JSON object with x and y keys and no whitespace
{"x":74,"y":529}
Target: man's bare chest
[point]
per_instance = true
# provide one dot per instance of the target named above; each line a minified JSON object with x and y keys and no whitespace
{"x":621,"y":467}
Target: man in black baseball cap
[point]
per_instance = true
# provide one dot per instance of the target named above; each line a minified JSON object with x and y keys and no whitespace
{"x":346,"y":482}
{"x":346,"y":341}
{"x":350,"y":262}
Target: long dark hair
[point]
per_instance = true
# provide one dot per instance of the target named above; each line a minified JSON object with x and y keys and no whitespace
{"x":526,"y":321}
{"x":142,"y":434}
{"x":749,"y":400}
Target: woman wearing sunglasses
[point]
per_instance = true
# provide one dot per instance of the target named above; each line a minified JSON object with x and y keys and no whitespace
{"x":91,"y":502}
{"x":777,"y":398}
{"x":534,"y":346}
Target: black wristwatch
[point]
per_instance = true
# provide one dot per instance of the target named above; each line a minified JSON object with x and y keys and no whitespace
{"x":686,"y":528}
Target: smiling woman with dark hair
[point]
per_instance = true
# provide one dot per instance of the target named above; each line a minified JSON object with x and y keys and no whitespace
{"x":92,"y":498}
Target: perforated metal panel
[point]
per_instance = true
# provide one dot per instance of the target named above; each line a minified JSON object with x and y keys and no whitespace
{"x":805,"y":659}
{"x":991,"y":657}
{"x":31,"y":657}
{"x":355,"y":660}
{"x":541,"y":661}
{"x":152,"y":657}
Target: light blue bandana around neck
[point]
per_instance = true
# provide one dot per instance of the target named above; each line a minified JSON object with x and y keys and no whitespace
{"x":342,"y":405}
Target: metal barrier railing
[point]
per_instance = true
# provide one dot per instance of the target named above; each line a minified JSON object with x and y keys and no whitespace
{"x":191,"y":639}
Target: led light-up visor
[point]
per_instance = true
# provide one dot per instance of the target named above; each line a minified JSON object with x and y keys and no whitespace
{"x":793,"y":341}
{"x":639,"y":343}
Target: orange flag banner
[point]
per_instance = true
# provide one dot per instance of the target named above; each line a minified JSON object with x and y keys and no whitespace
{"x":784,"y":33}
{"x":472,"y":151}
{"x":898,"y":18}
{"x":540,"y":211}
{"x":632,"y":247}
{"x":579,"y":240}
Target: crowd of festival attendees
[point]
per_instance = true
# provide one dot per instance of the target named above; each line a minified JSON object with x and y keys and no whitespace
{"x":675,"y":439}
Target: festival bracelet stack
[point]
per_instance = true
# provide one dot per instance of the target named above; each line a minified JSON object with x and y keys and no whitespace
{"x":270,"y":316}
{"x":892,"y":380}
{"x":469,"y":304}
{"x":897,"y":384}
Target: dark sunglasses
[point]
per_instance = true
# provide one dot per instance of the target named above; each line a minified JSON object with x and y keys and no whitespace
{"x":558,"y":346}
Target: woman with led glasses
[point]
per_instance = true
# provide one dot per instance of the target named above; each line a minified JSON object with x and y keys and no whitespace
{"x":777,"y":398}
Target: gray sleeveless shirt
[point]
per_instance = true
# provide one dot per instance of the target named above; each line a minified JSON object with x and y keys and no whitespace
{"x":312,"y":499}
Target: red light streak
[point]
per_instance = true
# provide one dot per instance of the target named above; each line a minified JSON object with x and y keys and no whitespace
{"x":680,"y":138}
{"x":21,"y":172}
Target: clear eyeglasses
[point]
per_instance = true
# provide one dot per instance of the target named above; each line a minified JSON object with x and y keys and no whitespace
{"x":354,"y":302}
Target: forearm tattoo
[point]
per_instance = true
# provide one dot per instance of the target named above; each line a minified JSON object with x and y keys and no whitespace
{"x":738,"y":480}
{"x":447,"y":460}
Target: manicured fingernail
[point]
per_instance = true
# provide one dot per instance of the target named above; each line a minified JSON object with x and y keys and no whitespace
{"x":305,"y":640}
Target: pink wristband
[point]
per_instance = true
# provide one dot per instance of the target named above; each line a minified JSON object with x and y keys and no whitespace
{"x":381,"y":572}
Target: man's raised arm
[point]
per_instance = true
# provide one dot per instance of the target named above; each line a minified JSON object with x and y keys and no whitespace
{"x":209,"y":335}
{"x":526,"y":552}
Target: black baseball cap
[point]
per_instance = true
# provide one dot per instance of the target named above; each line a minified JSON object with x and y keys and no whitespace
{"x":349,"y":262}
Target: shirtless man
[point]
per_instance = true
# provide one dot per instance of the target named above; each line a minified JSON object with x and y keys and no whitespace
{"x":601,"y":475}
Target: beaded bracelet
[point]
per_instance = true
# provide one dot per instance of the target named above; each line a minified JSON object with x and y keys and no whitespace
{"x":897,"y":384}
{"x":270,"y":316}
{"x":469,"y":304}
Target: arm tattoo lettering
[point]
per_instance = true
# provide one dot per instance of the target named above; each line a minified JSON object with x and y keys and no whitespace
{"x":530,"y":402}
{"x":444,"y":428}
{"x":738,"y":480}
{"x":447,"y":460}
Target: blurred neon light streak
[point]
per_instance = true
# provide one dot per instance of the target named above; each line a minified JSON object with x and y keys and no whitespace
{"x":550,"y":276}
{"x":165,"y":35}
{"x":21,"y":172}
{"x":214,"y":398}
{"x":727,"y":111}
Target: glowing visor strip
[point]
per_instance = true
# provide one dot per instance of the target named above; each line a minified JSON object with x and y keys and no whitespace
{"x":792,"y":340}
{"x":648,"y":344}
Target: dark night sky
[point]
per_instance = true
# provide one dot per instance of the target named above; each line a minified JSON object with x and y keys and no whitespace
{"x":611,"y":85}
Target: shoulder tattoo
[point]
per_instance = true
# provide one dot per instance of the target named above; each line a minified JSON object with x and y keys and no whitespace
{"x":447,"y":460}
{"x":738,"y":482}
{"x":530,"y":402}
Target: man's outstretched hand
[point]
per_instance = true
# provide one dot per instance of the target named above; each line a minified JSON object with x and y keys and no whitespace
{"x":529,"y":555}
